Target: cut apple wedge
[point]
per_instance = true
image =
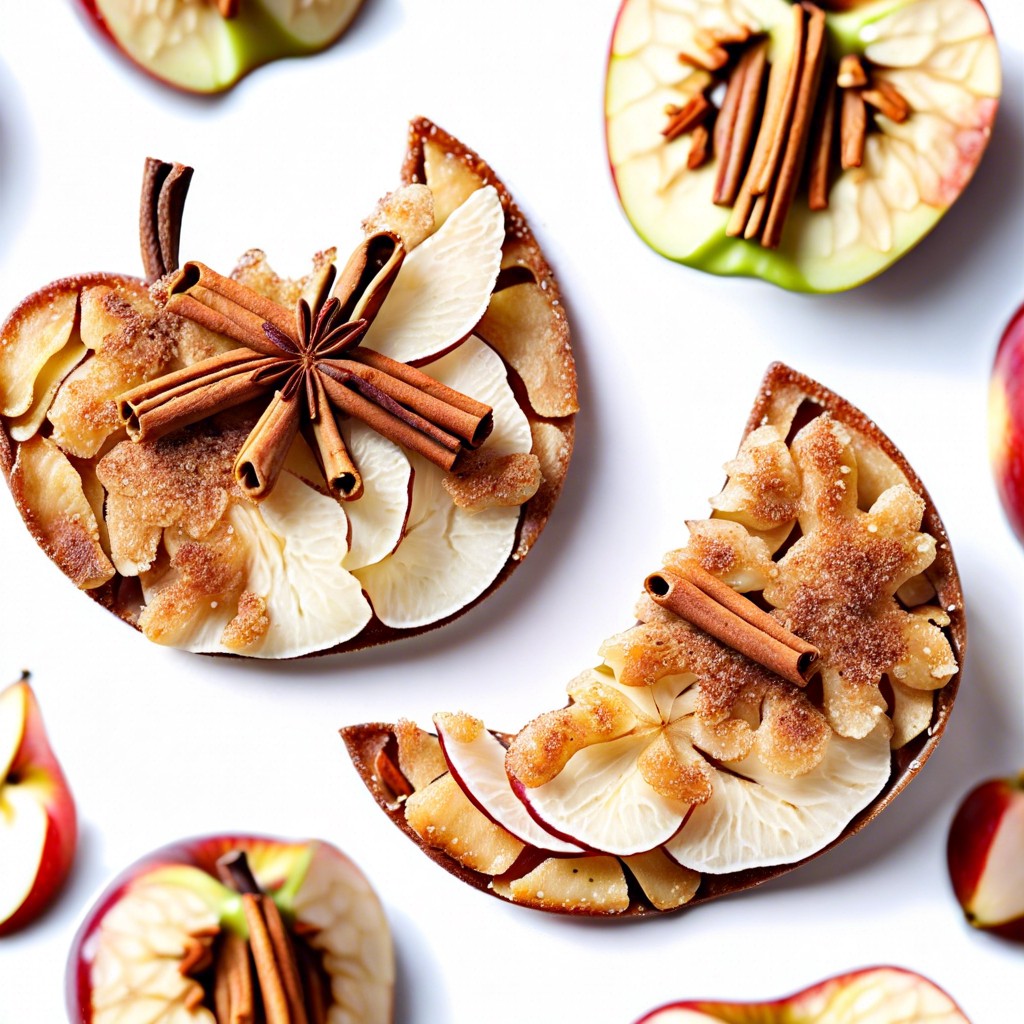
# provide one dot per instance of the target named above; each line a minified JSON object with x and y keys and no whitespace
{"x":756,"y":818}
{"x":444,"y":285}
{"x":449,"y":556}
{"x":718,"y":114}
{"x":210,"y":929}
{"x":379,"y":517}
{"x":38,"y":823}
{"x":292,"y":548}
{"x":700,"y":759}
{"x":476,"y":760}
{"x":192,"y":45}
{"x":878,"y":995}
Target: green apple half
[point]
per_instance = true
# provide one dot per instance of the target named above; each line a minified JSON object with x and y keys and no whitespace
{"x":940,"y":55}
{"x":192,"y":45}
{"x":161,"y":945}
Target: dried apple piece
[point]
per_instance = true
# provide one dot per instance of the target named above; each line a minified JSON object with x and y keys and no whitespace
{"x":578,"y":885}
{"x":49,"y":490}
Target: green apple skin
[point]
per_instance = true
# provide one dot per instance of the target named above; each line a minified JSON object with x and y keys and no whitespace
{"x":787,"y":266}
{"x":250,"y":40}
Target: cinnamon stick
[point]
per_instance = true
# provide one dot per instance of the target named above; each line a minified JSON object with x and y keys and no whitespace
{"x":800,"y":130}
{"x":191,"y":394}
{"x":851,"y":72}
{"x":821,"y":151}
{"x":705,"y":601}
{"x":853,"y":126}
{"x":388,"y":773}
{"x":233,"y":996}
{"x":268,"y":973}
{"x":783,"y":114}
{"x":739,"y":113}
{"x":472,"y":427}
{"x":777,"y":78}
{"x":394,"y":427}
{"x":700,"y":150}
{"x":708,"y":55}
{"x":370,"y":272}
{"x":285,"y":959}
{"x":887,"y":100}
{"x":685,"y":118}
{"x":164,"y":188}
{"x":228,"y":303}
{"x":341,"y":473}
{"x":261,"y":458}
{"x":418,"y":379}
{"x":313,"y":985}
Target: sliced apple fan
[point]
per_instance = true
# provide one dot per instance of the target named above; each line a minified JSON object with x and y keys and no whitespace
{"x":300,"y":572}
{"x":679,"y":755}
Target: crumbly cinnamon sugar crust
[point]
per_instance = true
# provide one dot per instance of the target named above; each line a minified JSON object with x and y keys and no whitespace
{"x":746,"y":709}
{"x":135,"y":339}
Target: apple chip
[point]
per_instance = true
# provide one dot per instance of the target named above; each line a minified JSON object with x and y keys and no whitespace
{"x":444,"y":285}
{"x":774,"y":697}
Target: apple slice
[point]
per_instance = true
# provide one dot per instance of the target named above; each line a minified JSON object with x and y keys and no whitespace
{"x":756,"y":818}
{"x":572,"y":885}
{"x":444,"y":285}
{"x":879,"y":995}
{"x":449,"y":556}
{"x":985,"y":853}
{"x":476,"y":759}
{"x":38,"y":823}
{"x":378,"y":518}
{"x":286,"y":554}
{"x":169,"y":941}
{"x":911,"y":134}
{"x":1006,"y":422}
{"x":443,"y":816}
{"x":192,"y":45}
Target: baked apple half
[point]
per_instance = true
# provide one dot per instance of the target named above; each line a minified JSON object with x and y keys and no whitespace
{"x":809,"y":145}
{"x":221,"y":930}
{"x":792,"y":668}
{"x":206,"y":46}
{"x":878,"y":995}
{"x":268,"y":467}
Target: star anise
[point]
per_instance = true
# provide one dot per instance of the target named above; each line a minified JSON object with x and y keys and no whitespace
{"x":311,"y":363}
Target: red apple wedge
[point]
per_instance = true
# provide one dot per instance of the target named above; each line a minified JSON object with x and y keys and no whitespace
{"x":986,"y":856}
{"x":38,"y":825}
{"x":878,"y":995}
{"x":1006,"y":422}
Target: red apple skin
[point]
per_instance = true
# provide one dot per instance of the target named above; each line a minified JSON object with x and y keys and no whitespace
{"x":36,"y":756}
{"x":782,"y":1011}
{"x":971,"y":836}
{"x":1006,"y":422}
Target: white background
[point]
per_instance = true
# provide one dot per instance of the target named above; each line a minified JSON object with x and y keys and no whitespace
{"x":159,"y":744}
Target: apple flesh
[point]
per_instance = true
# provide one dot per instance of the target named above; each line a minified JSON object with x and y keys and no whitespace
{"x":190,"y":44}
{"x":939,"y":56}
{"x":38,"y":823}
{"x":880,"y":995}
{"x":985,"y":853}
{"x":1006,"y":422}
{"x":170,"y":940}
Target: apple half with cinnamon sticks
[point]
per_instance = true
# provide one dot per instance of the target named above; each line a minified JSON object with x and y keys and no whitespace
{"x":273,"y":468}
{"x":206,"y":46}
{"x":232,"y":929}
{"x":807,"y":144}
{"x":792,"y":668}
